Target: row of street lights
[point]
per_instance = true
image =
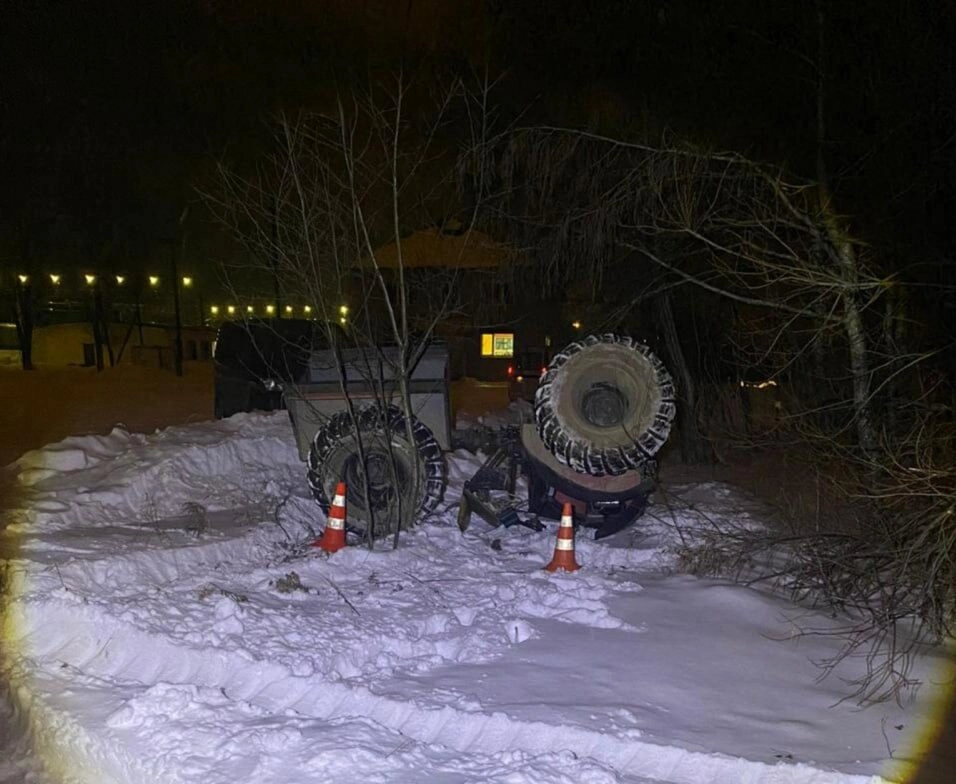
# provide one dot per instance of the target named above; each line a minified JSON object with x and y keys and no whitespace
{"x":231,"y":310}
{"x":91,"y":279}
{"x":187,"y":282}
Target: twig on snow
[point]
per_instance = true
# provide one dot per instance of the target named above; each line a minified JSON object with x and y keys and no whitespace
{"x":339,"y":592}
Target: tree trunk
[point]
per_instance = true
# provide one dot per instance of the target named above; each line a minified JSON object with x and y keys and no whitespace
{"x":274,"y":259}
{"x":892,"y":346}
{"x":846,"y":259}
{"x":139,"y":320}
{"x":122,"y":348}
{"x":408,"y":411}
{"x":104,"y":323}
{"x":97,"y":335}
{"x":693,"y":447}
{"x":24,"y":324}
{"x":859,"y":360}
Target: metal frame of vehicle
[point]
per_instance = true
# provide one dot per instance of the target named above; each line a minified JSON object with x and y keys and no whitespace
{"x":368,"y":379}
{"x":607,"y":503}
{"x":602,"y":498}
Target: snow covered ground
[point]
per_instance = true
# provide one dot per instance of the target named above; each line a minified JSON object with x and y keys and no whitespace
{"x":166,"y":621}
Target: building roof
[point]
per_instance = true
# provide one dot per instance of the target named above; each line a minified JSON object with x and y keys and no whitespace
{"x":450,"y":250}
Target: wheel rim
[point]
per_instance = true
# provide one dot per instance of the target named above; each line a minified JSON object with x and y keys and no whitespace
{"x":612,"y":401}
{"x":604,"y":405}
{"x":382,"y":494}
{"x":334,"y":457}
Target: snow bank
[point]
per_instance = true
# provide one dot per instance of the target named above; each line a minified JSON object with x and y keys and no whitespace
{"x":169,"y":623}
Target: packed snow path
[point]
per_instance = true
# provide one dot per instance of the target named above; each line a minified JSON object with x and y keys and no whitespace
{"x":167,"y":622}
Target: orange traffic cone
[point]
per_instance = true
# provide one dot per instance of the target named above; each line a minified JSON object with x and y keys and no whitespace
{"x":333,"y":537}
{"x":564,"y":545}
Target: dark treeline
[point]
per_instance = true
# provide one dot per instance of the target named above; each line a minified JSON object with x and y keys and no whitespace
{"x":112,"y":112}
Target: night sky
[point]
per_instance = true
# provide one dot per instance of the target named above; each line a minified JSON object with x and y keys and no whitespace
{"x":112,"y":112}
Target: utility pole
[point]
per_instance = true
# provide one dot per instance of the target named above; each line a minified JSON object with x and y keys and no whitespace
{"x":139,"y":311}
{"x":23,"y":311}
{"x":178,"y":340}
{"x":177,"y":307}
{"x":96,"y":321}
{"x":103,"y":323}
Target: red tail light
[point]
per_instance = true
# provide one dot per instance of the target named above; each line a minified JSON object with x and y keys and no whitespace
{"x":544,"y":370}
{"x":511,"y":370}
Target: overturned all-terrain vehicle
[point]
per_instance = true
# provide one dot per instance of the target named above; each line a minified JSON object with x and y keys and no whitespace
{"x":603,"y":408}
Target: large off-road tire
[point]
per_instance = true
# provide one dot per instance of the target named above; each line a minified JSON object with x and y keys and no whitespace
{"x":605,"y":405}
{"x":334,"y":457}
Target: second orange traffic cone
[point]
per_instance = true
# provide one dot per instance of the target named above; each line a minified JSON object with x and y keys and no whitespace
{"x":564,"y":545}
{"x":333,"y":537}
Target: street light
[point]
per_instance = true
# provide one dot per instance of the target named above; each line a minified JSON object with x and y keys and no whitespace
{"x":288,"y":308}
{"x":90,"y":279}
{"x":576,"y":324}
{"x":307,"y":309}
{"x":344,"y":310}
{"x":120,"y":280}
{"x":55,"y":280}
{"x":23,"y":278}
{"x":270,"y":309}
{"x":231,"y":310}
{"x":187,"y":281}
{"x":214,"y":309}
{"x":250,"y":310}
{"x":154,"y":280}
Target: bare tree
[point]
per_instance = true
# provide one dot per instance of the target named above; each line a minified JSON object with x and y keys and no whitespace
{"x":888,"y":578}
{"x":594,"y":208}
{"x":339,"y":185}
{"x":804,"y":303}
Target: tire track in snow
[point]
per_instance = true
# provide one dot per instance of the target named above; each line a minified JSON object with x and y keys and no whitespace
{"x":79,"y":645}
{"x":99,"y":647}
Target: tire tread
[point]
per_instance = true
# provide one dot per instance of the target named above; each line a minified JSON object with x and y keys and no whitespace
{"x":338,"y":428}
{"x":580,"y":455}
